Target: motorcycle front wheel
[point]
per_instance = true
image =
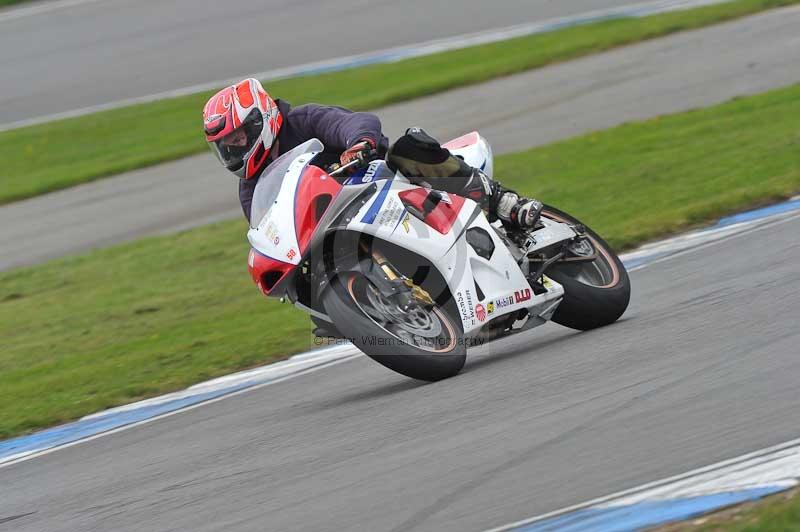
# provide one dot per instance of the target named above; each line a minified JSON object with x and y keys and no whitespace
{"x":421,"y":343}
{"x":597,"y":292}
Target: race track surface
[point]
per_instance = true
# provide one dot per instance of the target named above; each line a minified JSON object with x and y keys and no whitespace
{"x":680,"y":72}
{"x":101,"y":51}
{"x":702,"y":367}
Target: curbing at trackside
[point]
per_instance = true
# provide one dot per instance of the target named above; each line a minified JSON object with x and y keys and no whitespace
{"x":742,"y":479}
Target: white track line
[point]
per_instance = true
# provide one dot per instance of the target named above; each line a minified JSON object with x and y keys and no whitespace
{"x":739,"y":230}
{"x":24,"y":457}
{"x":754,"y":459}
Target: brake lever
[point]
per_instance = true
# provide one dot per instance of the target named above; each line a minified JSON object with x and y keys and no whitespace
{"x":341,"y":169}
{"x":362,"y":159}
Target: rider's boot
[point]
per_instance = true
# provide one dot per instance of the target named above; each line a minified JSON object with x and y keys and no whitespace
{"x":421,"y":158}
{"x":505,"y":204}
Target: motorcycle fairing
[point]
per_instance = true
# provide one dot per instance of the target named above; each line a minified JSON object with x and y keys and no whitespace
{"x":482,"y":288}
{"x":437,"y":209}
{"x":282,"y":236}
{"x":475,"y":151}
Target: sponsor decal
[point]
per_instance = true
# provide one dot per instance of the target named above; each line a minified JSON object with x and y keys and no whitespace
{"x":291,"y":254}
{"x":407,"y":222}
{"x":490,"y":307}
{"x":390,"y":214}
{"x":370,"y":173}
{"x":462,"y":306}
{"x":504,"y":302}
{"x":271,"y":230}
{"x":465,"y":306}
{"x":480,"y":312}
{"x":470,"y":305}
{"x":522,"y":295}
{"x":213,"y":118}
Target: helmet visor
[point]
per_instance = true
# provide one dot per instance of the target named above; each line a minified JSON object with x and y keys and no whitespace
{"x":234,"y":147}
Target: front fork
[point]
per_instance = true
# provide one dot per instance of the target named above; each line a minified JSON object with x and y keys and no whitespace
{"x":393,"y":284}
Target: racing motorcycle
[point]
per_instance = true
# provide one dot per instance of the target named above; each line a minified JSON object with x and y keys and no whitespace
{"x":413,"y":276}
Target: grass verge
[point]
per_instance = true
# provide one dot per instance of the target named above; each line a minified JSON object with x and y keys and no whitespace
{"x":60,"y":154}
{"x":778,"y":513}
{"x":119,"y":324}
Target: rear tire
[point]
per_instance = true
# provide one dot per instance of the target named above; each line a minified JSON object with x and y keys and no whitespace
{"x":586,"y":306}
{"x":382,"y":346}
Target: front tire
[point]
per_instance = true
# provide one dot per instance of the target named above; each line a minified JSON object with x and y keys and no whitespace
{"x":595,"y":293}
{"x":346,"y":304}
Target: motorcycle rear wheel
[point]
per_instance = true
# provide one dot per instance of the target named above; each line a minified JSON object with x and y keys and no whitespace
{"x":356,"y":314}
{"x":596,"y":293}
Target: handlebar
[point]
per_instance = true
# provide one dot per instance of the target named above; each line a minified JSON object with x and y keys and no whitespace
{"x":362,"y":159}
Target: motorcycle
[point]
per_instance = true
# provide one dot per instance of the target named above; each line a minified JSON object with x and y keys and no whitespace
{"x":413,"y":276}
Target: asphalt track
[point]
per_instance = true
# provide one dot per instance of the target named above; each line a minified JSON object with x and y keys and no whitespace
{"x":672,"y":74}
{"x":702,"y":367}
{"x":92,"y":52}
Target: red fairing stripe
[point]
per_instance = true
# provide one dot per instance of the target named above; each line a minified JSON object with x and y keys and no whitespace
{"x":265,"y":269}
{"x":315,"y":190}
{"x":443,"y":215}
{"x":462,"y":142}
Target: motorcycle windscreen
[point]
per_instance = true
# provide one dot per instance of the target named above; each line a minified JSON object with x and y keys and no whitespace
{"x":270,"y":182}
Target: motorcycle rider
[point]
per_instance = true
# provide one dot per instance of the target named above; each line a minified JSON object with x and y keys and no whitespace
{"x":247,"y":130}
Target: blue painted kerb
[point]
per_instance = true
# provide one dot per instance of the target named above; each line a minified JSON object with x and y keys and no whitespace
{"x":646,"y":514}
{"x":87,"y":427}
{"x":756,"y":214}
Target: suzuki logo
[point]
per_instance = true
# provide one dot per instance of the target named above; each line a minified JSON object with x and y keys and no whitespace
{"x":522,"y":295}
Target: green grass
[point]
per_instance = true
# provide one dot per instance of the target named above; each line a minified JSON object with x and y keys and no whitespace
{"x":778,"y":513}
{"x":652,"y":178}
{"x":82,"y":334}
{"x":60,"y":154}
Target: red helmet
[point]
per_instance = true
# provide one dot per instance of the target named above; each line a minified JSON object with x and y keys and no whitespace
{"x":241,"y":124}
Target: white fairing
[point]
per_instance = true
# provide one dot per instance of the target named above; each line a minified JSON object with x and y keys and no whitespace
{"x":475,"y":151}
{"x":503,"y":285}
{"x":272,"y":230}
{"x":483,"y":289}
